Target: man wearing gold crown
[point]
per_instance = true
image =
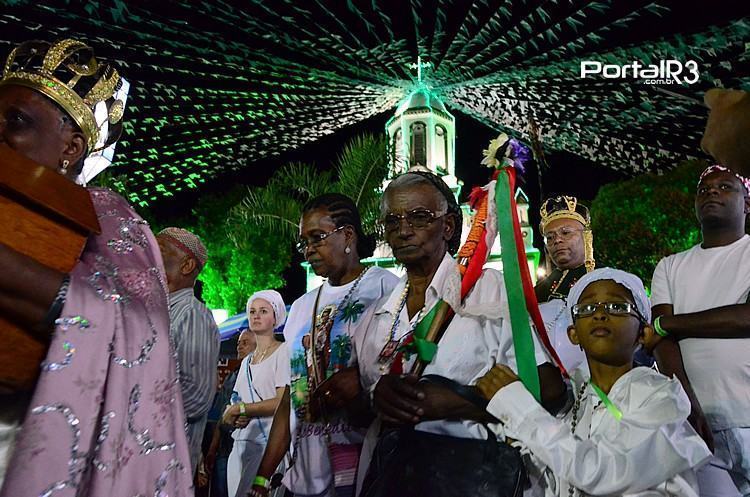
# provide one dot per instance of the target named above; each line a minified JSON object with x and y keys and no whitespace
{"x":568,"y":241}
{"x":102,"y":419}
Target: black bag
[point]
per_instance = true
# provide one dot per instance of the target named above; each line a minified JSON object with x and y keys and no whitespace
{"x":411,"y":463}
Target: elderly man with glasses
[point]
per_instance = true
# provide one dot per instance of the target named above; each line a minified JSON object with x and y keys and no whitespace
{"x":568,"y":242}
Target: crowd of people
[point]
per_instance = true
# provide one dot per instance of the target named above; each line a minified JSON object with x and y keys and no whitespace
{"x":649,"y":398}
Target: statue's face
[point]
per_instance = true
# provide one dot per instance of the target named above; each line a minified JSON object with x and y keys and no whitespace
{"x":32,"y":125}
{"x":728,"y":128}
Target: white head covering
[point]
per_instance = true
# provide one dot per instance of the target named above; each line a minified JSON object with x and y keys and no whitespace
{"x":277,"y":302}
{"x":628,"y":280}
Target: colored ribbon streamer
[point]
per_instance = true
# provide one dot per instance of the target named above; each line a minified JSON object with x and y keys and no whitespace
{"x":532,"y":306}
{"x":611,"y":407}
{"x":519,"y":317}
{"x":419,"y":344}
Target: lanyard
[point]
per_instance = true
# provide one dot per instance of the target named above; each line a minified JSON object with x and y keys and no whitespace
{"x":617,"y":413}
{"x":249,"y":375}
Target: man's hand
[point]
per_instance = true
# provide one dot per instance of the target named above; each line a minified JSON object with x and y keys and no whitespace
{"x":258,"y":491}
{"x":440,"y":403}
{"x":495,"y":379}
{"x":699,"y":422}
{"x":397,"y":399}
{"x":650,"y":339}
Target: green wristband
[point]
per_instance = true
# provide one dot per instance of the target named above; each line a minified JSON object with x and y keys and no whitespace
{"x":262,"y":481}
{"x":658,"y":329}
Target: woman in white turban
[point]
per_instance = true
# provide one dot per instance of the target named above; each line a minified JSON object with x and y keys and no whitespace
{"x":260,"y":384}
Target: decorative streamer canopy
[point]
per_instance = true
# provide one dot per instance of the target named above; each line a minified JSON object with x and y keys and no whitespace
{"x":217,"y":85}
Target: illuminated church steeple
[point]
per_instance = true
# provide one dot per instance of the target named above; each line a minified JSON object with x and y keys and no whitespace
{"x":422,"y":133}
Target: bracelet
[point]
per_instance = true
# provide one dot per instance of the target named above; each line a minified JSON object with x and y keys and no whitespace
{"x":262,"y":481}
{"x":242,"y":408}
{"x":55,"y":309}
{"x":658,"y":329}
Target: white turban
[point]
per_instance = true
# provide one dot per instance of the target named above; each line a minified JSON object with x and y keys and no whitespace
{"x":628,"y":280}
{"x":277,"y":303}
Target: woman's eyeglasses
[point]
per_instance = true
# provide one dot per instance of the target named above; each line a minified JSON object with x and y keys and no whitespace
{"x":418,"y":218}
{"x":315,"y":240}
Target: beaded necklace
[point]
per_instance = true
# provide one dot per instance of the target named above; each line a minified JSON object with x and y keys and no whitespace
{"x":390,"y":347}
{"x":574,"y":423}
{"x":320,"y":341}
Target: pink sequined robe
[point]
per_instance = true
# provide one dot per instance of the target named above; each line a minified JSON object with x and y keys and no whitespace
{"x":106,"y":416}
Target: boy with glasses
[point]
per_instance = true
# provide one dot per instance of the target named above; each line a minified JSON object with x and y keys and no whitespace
{"x":627,"y":432}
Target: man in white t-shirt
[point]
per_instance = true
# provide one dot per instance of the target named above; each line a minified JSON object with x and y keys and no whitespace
{"x":700,"y":304}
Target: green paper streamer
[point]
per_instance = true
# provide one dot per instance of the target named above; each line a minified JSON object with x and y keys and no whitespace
{"x":617,"y":413}
{"x":424,"y":349}
{"x":519,"y":317}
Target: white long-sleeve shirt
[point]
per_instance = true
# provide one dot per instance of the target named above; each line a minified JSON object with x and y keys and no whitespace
{"x":651,"y":452}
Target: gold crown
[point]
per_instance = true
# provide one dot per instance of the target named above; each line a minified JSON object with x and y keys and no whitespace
{"x":564,"y":207}
{"x":73,"y":61}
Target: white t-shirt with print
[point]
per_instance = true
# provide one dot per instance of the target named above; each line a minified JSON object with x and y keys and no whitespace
{"x":311,"y":472}
{"x":719,"y":369}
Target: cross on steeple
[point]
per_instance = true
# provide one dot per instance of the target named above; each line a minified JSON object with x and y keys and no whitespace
{"x":418,"y":66}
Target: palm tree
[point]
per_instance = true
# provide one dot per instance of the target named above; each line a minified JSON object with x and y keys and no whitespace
{"x":276,"y":208}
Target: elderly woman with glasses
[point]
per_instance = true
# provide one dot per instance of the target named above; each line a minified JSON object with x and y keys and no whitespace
{"x":323,"y":330}
{"x":439,"y":446}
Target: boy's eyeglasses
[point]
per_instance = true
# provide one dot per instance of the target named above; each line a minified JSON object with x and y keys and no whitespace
{"x":611,"y":308}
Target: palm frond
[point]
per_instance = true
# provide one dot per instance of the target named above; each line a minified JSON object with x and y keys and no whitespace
{"x":270,"y":209}
{"x":276,"y":208}
{"x":302,"y":181}
{"x":361,"y":169}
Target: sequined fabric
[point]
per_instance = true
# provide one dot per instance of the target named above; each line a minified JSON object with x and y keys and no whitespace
{"x":106,"y":416}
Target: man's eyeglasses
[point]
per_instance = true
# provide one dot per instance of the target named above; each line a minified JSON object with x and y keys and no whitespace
{"x":611,"y":308}
{"x":418,"y":218}
{"x":564,"y":234}
{"x":315,"y":240}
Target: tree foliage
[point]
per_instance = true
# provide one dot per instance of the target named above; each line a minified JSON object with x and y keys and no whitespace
{"x":232,"y":274}
{"x":275,"y":209}
{"x":639,"y":221}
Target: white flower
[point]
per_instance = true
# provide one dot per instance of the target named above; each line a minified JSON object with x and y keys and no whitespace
{"x":489,"y":155}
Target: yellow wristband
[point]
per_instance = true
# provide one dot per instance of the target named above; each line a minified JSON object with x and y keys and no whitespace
{"x":242,"y":408}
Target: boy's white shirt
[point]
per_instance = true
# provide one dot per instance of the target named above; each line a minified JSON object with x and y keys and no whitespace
{"x":651,"y":452}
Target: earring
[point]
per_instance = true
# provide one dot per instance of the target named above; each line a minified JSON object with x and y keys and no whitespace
{"x":347,"y":250}
{"x":64,"y":167}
